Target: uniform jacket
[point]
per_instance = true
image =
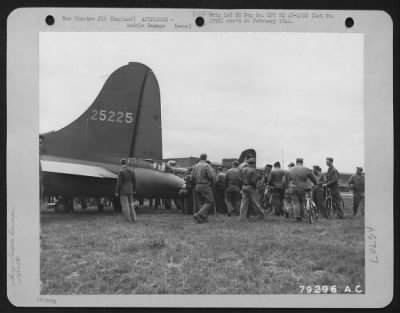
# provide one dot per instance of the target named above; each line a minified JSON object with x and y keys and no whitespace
{"x":332,"y":177}
{"x":320,"y":178}
{"x":298,"y":177}
{"x":203,"y":174}
{"x":358,"y":181}
{"x":275,"y":178}
{"x":249,"y":176}
{"x":243,"y":165}
{"x":126,"y":183}
{"x":220,"y":180}
{"x":232,"y":179}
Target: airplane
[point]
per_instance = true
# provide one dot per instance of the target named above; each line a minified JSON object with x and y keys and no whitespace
{"x":173,"y":168}
{"x":124,"y":121}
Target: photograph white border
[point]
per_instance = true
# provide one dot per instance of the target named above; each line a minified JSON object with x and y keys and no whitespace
{"x":23,"y":218}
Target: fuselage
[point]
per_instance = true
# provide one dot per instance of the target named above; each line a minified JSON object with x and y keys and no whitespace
{"x":81,"y":178}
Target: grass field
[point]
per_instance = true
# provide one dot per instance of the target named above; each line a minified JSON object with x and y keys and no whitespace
{"x":166,"y":253}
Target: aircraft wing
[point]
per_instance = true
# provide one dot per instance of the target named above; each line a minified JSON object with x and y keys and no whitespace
{"x":76,"y":169}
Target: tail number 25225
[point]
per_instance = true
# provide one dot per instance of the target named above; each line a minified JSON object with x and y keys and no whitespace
{"x":111,"y":116}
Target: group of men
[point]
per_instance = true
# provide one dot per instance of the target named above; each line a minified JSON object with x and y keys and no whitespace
{"x":241,"y":190}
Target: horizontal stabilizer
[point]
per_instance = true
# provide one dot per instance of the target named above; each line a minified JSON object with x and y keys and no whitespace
{"x":76,"y":169}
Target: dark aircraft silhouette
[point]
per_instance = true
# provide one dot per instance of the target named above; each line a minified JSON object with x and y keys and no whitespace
{"x":246,"y":154}
{"x":124,"y":121}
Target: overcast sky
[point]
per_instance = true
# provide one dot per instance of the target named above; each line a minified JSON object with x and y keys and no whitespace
{"x":224,"y":92}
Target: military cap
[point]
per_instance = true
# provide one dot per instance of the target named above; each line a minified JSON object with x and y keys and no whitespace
{"x":123,"y":161}
{"x":251,"y":161}
{"x":269,"y":165}
{"x":235,"y":163}
{"x":299,"y":160}
{"x":359,"y":168}
{"x":291,"y":164}
{"x":329,"y":159}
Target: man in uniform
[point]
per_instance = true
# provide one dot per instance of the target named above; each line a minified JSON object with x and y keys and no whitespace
{"x":249,"y":191}
{"x":203,"y":177}
{"x":232,"y":192}
{"x":265,"y":194}
{"x":220,"y":191}
{"x":285,"y":180}
{"x":297,"y":181}
{"x":277,"y":190}
{"x":332,"y":182}
{"x":357,"y":183}
{"x":318,"y":191}
{"x":187,"y":193}
{"x":126,"y":185}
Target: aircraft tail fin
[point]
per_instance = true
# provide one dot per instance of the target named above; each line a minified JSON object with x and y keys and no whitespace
{"x":123,"y":121}
{"x":246,"y":154}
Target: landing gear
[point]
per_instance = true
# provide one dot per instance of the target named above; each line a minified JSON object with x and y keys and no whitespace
{"x":64,"y":205}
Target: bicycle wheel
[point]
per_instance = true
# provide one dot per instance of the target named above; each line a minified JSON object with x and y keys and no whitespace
{"x":334,"y":209}
{"x":328,"y":207}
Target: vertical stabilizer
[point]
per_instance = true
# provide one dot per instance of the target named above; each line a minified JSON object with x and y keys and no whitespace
{"x":123,"y":121}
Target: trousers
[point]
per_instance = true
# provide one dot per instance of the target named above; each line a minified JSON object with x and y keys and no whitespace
{"x":188,"y":202}
{"x":195,"y":202}
{"x":294,"y":201}
{"x":358,"y":202}
{"x":276,"y":200}
{"x":250,"y":196}
{"x":205,"y":199}
{"x":220,"y":199}
{"x":337,"y":201}
{"x":127,"y":207}
{"x":233,"y":201}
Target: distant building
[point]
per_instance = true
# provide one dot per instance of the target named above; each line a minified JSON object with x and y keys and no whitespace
{"x":184,"y":162}
{"x":227,"y":162}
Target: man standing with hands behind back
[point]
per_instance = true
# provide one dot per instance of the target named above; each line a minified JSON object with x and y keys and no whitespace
{"x":126,"y":185}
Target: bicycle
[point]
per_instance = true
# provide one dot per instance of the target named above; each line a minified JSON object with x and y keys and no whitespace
{"x":311,"y":208}
{"x":329,"y":207}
